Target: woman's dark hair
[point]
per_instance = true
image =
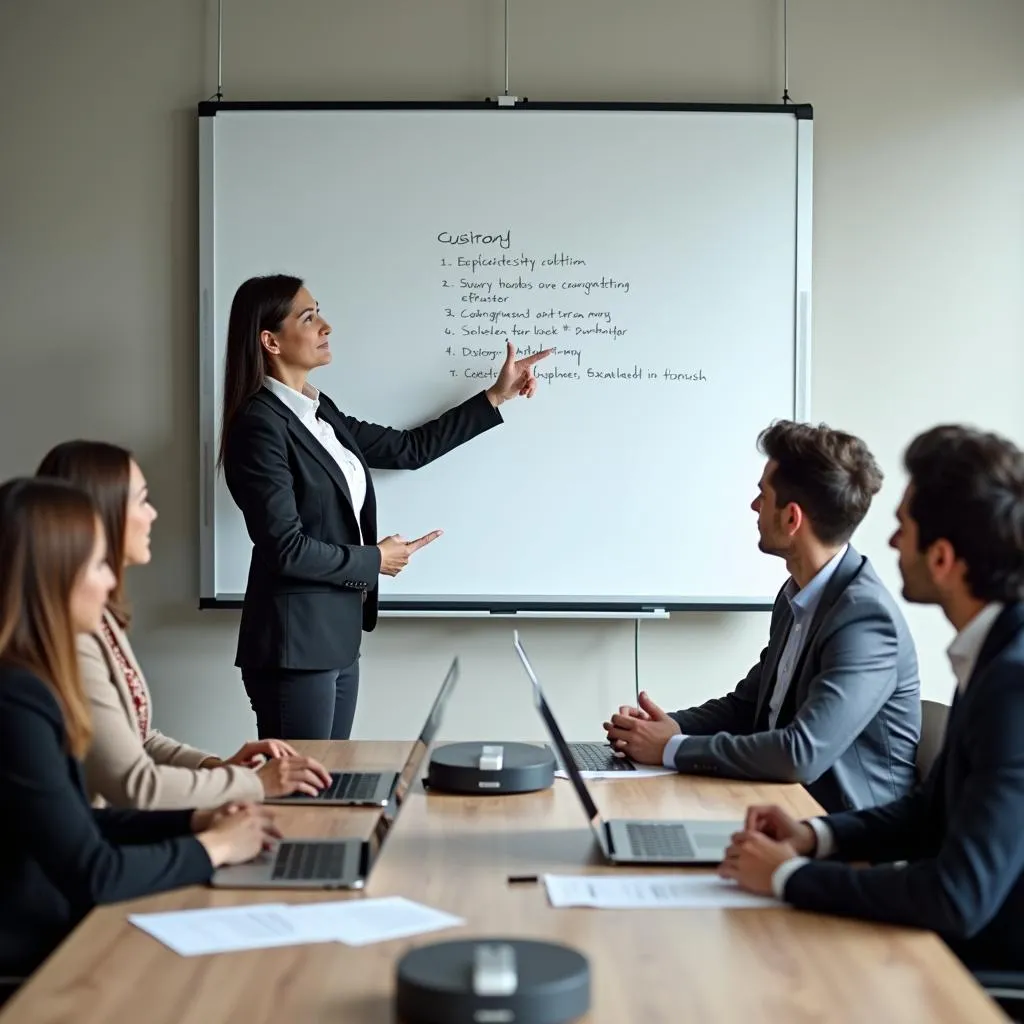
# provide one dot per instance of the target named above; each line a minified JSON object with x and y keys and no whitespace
{"x":260,"y":304}
{"x":103,"y":471}
{"x":48,"y":530}
{"x":967,"y":487}
{"x":831,"y":475}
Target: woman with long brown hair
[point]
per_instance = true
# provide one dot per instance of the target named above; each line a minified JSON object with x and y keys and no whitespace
{"x":130,"y":763}
{"x":298,"y":468}
{"x":60,"y":857}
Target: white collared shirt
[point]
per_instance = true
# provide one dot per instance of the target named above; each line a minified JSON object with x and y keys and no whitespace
{"x":305,"y":405}
{"x":963,"y":656}
{"x":967,"y":644}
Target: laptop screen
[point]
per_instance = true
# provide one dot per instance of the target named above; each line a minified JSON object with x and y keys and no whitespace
{"x":413,"y":764}
{"x":564,"y":753}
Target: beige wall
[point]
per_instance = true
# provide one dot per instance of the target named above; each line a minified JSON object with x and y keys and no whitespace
{"x":918,"y":269}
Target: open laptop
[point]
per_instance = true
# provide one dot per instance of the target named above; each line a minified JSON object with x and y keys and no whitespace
{"x":595,"y":756}
{"x":350,"y":789}
{"x":339,"y":863}
{"x":634,"y":841}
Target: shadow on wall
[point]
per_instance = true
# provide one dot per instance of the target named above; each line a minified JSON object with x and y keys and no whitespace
{"x":69,"y":376}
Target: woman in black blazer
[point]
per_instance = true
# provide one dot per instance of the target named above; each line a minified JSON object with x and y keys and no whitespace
{"x":298,"y":468}
{"x":60,"y":857}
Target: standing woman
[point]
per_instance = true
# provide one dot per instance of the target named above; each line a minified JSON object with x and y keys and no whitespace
{"x":60,"y":857}
{"x":298,"y":468}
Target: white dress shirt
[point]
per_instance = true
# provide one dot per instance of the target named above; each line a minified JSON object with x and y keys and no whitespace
{"x":305,"y":405}
{"x":963,"y":656}
{"x":803,"y":603}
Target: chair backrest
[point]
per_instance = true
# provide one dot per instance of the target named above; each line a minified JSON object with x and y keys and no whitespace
{"x":1006,"y":988}
{"x":933,"y":729}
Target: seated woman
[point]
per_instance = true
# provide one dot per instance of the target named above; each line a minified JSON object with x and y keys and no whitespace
{"x":60,"y":857}
{"x":131,"y":764}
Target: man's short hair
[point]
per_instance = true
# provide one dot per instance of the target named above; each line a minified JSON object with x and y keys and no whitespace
{"x":831,"y":475}
{"x":967,"y":487}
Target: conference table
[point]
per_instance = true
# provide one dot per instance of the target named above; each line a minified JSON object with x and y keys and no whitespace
{"x":455,"y":853}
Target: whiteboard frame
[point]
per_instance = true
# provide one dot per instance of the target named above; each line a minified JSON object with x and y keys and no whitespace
{"x":473,"y":607}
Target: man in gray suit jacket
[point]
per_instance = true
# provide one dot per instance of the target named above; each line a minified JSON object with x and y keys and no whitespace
{"x":834,"y":701}
{"x":950,"y":855}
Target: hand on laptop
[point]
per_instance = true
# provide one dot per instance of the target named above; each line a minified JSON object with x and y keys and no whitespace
{"x":641,"y":733}
{"x":234,"y":833}
{"x":282,"y":776}
{"x":252,"y":754}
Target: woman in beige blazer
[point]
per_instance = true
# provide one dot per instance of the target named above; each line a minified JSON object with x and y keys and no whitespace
{"x":130,"y":763}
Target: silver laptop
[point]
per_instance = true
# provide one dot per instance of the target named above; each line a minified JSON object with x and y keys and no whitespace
{"x":595,"y":756}
{"x":634,"y":841}
{"x":347,"y":789}
{"x":339,"y":863}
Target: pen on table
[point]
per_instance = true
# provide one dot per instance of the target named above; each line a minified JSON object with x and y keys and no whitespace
{"x":522,"y":879}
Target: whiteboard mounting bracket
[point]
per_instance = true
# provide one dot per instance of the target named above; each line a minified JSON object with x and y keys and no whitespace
{"x":507,"y":101}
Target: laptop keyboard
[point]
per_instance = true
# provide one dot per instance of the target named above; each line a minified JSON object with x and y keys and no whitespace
{"x":309,"y":862}
{"x":599,"y":757}
{"x":351,"y":786}
{"x":662,"y":841}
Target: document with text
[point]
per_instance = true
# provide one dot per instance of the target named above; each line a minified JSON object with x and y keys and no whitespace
{"x":629,"y":892}
{"x":266,"y":925}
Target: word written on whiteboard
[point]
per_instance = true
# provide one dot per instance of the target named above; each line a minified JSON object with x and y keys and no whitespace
{"x":475,"y":238}
{"x":556,"y":259}
{"x":632,"y":374}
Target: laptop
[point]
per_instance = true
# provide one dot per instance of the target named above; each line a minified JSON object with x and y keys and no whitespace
{"x":595,"y":756}
{"x":339,"y":863}
{"x":634,"y":841}
{"x":349,"y":789}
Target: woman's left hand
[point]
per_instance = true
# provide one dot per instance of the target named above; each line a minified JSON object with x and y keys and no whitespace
{"x":516,"y":376}
{"x":249,"y":755}
{"x":201,"y":820}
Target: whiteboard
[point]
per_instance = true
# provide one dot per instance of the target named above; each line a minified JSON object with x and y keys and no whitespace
{"x":664,"y":251}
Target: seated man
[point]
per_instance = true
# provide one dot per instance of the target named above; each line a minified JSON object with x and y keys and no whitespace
{"x":961,"y":546}
{"x":834,"y":702}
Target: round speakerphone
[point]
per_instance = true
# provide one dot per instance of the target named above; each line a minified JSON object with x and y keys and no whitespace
{"x":492,"y":981}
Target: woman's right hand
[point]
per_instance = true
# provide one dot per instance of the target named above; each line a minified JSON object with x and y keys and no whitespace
{"x":395,"y":552}
{"x":283,"y":776}
{"x":238,"y":834}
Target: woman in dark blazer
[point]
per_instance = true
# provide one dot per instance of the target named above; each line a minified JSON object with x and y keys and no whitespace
{"x":60,"y":857}
{"x":298,"y":468}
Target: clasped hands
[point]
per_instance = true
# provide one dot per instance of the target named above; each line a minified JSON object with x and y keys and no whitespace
{"x":768,"y":839}
{"x":769,"y":836}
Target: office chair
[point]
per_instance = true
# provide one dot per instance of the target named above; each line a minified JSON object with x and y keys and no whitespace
{"x":933,"y":730}
{"x":1006,"y":988}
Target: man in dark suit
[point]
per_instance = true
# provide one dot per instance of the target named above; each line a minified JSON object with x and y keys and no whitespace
{"x":834,"y":701}
{"x":948,"y":856}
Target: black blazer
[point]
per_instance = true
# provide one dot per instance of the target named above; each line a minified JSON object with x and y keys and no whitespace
{"x":312,"y":585}
{"x":60,"y":857}
{"x":962,"y":830}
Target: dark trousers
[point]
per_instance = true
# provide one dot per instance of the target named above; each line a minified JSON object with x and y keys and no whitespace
{"x":291,"y":704}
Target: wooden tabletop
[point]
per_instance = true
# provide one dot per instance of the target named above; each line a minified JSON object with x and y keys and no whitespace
{"x":455,"y":853}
